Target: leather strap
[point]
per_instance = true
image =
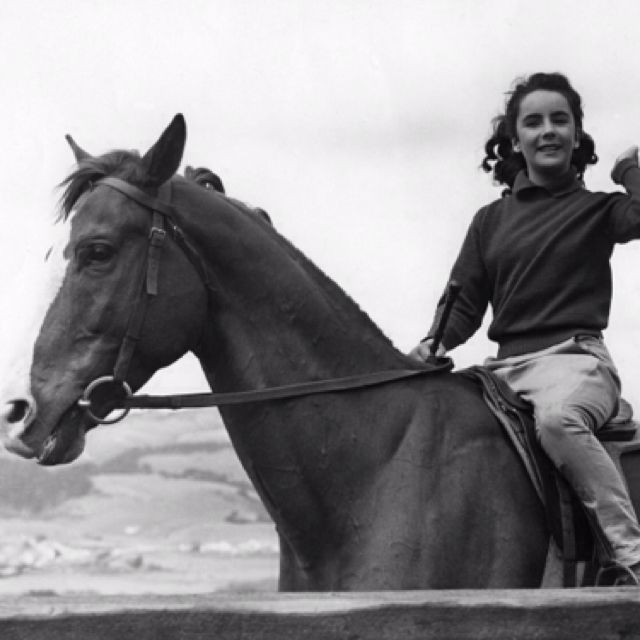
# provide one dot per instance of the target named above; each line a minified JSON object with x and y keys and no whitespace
{"x":137,"y":195}
{"x":149,"y":290}
{"x":151,"y":271}
{"x":192,"y":400}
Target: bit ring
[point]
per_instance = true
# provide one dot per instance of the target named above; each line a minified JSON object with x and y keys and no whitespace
{"x":85,"y":401}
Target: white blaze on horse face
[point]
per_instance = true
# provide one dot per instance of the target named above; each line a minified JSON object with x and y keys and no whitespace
{"x":33,"y":292}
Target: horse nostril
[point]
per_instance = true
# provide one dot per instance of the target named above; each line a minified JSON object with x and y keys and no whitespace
{"x":19,"y":410}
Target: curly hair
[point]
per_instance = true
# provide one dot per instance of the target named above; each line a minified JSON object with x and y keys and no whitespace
{"x":502,"y":159}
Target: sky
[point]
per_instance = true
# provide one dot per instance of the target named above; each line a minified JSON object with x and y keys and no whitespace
{"x":358,"y":125}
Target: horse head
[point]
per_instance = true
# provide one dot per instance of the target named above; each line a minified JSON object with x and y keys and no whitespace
{"x":101,"y":267}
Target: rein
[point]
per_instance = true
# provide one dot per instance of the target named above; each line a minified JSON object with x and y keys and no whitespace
{"x":162,"y":215}
{"x":285,"y":392}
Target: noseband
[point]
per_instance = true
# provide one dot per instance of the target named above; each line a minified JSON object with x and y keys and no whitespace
{"x":163,"y":219}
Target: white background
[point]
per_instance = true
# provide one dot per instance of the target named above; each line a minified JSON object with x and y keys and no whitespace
{"x":358,"y":125}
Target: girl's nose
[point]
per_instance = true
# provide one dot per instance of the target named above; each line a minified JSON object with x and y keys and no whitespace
{"x":548,"y":128}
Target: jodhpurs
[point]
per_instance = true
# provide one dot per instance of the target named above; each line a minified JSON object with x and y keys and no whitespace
{"x":574,"y":389}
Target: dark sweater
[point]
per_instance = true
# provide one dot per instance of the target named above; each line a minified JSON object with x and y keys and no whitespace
{"x":542,"y":259}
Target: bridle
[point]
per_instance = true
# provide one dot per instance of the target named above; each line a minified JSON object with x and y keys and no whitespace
{"x":163,"y":219}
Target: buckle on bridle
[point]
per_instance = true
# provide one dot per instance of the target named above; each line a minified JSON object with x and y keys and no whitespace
{"x":157,"y":236}
{"x":85,"y":401}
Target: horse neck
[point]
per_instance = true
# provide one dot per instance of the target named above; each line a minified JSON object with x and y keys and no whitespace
{"x":276,"y":320}
{"x":280,"y":319}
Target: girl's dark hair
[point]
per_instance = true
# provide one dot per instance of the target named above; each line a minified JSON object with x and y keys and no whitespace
{"x":502,"y":159}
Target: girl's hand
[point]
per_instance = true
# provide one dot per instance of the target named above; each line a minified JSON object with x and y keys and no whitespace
{"x":631,"y":154}
{"x":423,"y":351}
{"x":625,"y":161}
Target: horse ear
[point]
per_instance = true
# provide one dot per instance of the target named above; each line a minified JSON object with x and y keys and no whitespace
{"x":164,"y":157}
{"x":78,"y":151}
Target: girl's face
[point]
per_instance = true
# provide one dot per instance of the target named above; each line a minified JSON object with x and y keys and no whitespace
{"x":546,"y":135}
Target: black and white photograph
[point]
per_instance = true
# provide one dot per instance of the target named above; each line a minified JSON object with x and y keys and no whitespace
{"x":320,"y":319}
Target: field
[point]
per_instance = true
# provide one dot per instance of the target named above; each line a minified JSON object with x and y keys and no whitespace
{"x":157,"y":504}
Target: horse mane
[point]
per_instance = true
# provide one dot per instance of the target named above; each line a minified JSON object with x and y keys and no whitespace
{"x":120,"y":163}
{"x":332,"y":290}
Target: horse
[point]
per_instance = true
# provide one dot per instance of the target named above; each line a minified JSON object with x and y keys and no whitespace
{"x":410,"y":484}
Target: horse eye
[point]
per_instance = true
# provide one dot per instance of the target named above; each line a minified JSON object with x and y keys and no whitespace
{"x":208,"y":185}
{"x":96,"y":253}
{"x":99,"y":252}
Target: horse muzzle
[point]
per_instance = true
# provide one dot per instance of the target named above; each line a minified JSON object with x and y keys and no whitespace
{"x":22,"y":435}
{"x":16,"y":417}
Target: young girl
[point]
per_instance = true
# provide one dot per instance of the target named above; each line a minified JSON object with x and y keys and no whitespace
{"x":541,"y":256}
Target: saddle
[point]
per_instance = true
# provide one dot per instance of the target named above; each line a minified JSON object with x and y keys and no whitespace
{"x":572,"y":526}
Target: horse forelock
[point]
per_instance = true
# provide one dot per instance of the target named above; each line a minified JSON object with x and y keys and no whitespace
{"x":122,"y":164}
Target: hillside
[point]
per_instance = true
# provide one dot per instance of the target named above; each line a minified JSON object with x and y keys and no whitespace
{"x":158,"y":503}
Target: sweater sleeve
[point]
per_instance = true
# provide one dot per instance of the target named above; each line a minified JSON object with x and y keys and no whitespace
{"x":470,"y":305}
{"x":624,"y":222}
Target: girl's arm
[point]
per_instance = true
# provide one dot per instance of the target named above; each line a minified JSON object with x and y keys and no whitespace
{"x":471,"y":303}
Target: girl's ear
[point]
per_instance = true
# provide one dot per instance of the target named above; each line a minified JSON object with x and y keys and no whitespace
{"x":516,"y":145}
